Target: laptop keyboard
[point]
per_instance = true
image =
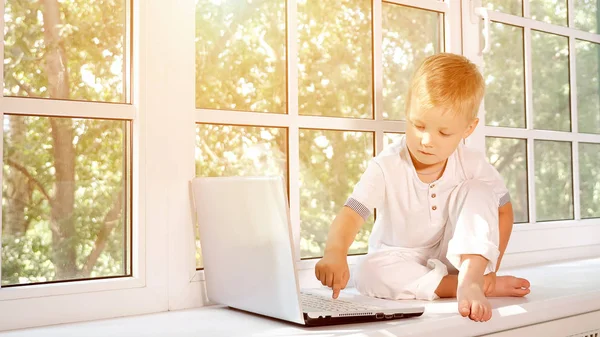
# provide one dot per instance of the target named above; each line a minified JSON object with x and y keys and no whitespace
{"x":328,"y":304}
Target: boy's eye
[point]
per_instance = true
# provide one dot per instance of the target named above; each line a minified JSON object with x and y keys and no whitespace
{"x":420,"y":127}
{"x":445,"y":134}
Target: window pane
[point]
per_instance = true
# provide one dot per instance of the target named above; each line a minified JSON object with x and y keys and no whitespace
{"x":589,"y":157}
{"x":551,"y":106}
{"x":229,"y":150}
{"x":588,"y":86}
{"x":514,"y":7}
{"x":67,"y":50}
{"x":505,"y":83}
{"x":509,"y":157}
{"x":334,"y":62}
{"x":240,"y":55}
{"x":553,"y":180}
{"x":409,"y":36}
{"x":331,"y":163}
{"x":551,"y":11}
{"x":586,"y":15}
{"x":391,"y":137}
{"x":65,"y":199}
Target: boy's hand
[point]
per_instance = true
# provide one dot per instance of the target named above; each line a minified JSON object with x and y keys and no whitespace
{"x":332,"y":270}
{"x":489,"y":283}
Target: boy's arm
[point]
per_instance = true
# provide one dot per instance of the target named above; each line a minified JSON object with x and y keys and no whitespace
{"x":332,"y":270}
{"x":505,"y":223}
{"x":343,"y":230}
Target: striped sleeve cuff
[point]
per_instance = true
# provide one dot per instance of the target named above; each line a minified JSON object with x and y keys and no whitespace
{"x":359,"y":208}
{"x":505,"y":199}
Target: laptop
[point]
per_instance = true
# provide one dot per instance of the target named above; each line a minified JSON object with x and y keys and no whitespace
{"x":250,"y":263}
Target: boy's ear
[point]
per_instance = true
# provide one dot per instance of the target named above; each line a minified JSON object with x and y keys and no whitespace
{"x":471,"y":128}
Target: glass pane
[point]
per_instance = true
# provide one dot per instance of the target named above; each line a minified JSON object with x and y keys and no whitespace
{"x":331,"y":163}
{"x":509,"y":157}
{"x":409,"y":36}
{"x":588,"y":86}
{"x":504,"y":79}
{"x":586,"y":15}
{"x":391,"y":137}
{"x":550,"y":11}
{"x":240,"y":55}
{"x":229,"y":150}
{"x":550,"y":66}
{"x":553,"y":180}
{"x":334,"y":58}
{"x":55,"y":49}
{"x":589,"y":174}
{"x":65,"y":199}
{"x":514,"y":7}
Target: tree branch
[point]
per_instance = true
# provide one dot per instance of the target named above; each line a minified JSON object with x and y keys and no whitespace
{"x":27,"y":89}
{"x":513,"y":149}
{"x":31,"y":178}
{"x":111,"y":219}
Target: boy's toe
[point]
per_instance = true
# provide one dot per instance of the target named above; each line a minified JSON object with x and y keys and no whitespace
{"x":464,"y":308}
{"x":520,"y":292}
{"x":524,"y":283}
{"x":476,"y":311}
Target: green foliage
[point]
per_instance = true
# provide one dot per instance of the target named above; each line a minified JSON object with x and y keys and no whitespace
{"x":550,"y":11}
{"x":247,"y":40}
{"x":589,"y":157}
{"x":331,"y":163}
{"x":334,"y":58}
{"x":409,"y":36}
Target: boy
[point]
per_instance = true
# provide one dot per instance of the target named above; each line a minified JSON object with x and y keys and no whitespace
{"x":444,"y":215}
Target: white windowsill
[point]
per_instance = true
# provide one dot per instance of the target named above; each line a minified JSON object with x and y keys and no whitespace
{"x":558,"y":290}
{"x":67,"y":288}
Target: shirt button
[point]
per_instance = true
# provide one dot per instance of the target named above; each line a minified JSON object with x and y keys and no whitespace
{"x":434,"y":207}
{"x":433,"y":195}
{"x":432,"y":186}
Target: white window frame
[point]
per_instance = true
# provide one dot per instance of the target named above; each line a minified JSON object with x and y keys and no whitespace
{"x":146,"y":291}
{"x":577,"y":238}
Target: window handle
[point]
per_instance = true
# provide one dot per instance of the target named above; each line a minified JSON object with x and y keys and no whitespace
{"x":483,"y":13}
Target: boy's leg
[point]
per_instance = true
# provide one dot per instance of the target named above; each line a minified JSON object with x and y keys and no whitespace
{"x":470,"y":244}
{"x":472,"y":226}
{"x":399,"y":274}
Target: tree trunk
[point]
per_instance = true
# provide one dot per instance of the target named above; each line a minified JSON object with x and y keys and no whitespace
{"x":62,"y":221}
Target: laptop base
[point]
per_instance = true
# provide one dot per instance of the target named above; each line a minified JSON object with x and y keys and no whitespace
{"x":328,"y":320}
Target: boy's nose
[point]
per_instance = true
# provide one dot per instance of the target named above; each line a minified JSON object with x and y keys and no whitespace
{"x":425,"y":139}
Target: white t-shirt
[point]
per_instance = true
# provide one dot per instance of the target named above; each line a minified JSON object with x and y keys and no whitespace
{"x":408,"y":213}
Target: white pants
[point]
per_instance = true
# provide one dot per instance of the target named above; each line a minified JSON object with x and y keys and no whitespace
{"x":409,"y":273}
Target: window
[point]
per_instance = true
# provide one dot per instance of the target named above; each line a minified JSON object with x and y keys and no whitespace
{"x":66,"y":179}
{"x":334,"y":75}
{"x":72,"y":177}
{"x":541,"y":109}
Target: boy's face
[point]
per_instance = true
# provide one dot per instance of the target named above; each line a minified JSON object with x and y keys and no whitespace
{"x":432,"y":135}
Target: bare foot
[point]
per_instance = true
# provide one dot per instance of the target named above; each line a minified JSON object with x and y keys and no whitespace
{"x":507,"y":286}
{"x":472,"y":302}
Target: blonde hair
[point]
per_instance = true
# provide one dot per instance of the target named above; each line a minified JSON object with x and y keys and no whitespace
{"x":449,"y":81}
